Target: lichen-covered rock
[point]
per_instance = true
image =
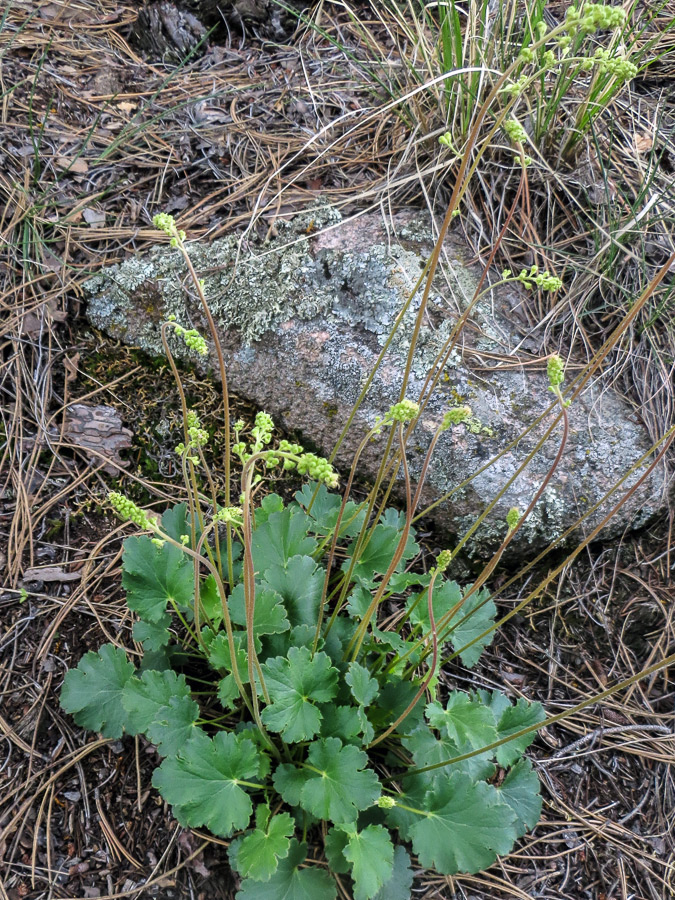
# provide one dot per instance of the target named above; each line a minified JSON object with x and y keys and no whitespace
{"x":303,"y":319}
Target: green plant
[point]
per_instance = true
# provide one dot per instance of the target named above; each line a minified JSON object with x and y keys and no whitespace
{"x":340,"y":736}
{"x":289,"y":672}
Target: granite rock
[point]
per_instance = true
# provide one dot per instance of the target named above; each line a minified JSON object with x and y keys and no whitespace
{"x":302,"y":318}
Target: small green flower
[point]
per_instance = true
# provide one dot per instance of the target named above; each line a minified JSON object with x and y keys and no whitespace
{"x":191,"y":337}
{"x":230,"y":515}
{"x":513,"y":516}
{"x":130,"y":512}
{"x":443,"y":560}
{"x":515,"y":131}
{"x":164,"y":222}
{"x":318,"y":468}
{"x":402,"y":412}
{"x":385,"y":802}
{"x":555,"y":369}
{"x":549,"y":59}
{"x":543,"y":280}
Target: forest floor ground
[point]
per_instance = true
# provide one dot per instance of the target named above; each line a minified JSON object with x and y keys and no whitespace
{"x":96,"y":138}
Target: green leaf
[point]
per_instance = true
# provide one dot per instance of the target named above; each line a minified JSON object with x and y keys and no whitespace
{"x":399,"y":885}
{"x":478,"y":621}
{"x":92,"y":692}
{"x":464,"y":720}
{"x":447,"y":594}
{"x":173,"y":725}
{"x":464,"y":827}
{"x":359,"y":602}
{"x":228,"y":692}
{"x":259,"y":852}
{"x":364,"y":688}
{"x":289,"y":782}
{"x":325,"y":510}
{"x":340,"y":721}
{"x":153,"y":635}
{"x":299,"y":584}
{"x":220,"y":658}
{"x":281,"y":537}
{"x":514,"y":719}
{"x":270,"y":503}
{"x":520,"y":791}
{"x":269,"y":614}
{"x":428,"y":751}
{"x":394,"y":698}
{"x":377,"y":553}
{"x":289,"y":882}
{"x":295,"y":684}
{"x":210,"y":600}
{"x":144,"y":697}
{"x":175,"y":521}
{"x":202,"y":782}
{"x":333,"y":845}
{"x":400,"y":581}
{"x":153,"y":576}
{"x":371,"y":854}
{"x":335,"y":785}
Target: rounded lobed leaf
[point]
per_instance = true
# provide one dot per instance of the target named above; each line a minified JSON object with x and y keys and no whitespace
{"x":332,"y":784}
{"x":290,"y":882}
{"x":92,"y":692}
{"x":462,"y":827}
{"x":203,"y":781}
{"x":258,"y":853}
{"x":296,"y":683}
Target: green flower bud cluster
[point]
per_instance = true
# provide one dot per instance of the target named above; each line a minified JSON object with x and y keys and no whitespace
{"x":456,"y":416}
{"x":555,"y":369}
{"x":385,"y":802}
{"x":516,"y":88}
{"x":530,"y":278}
{"x":230,"y":515}
{"x":513,"y":516}
{"x":594,"y":17}
{"x":197,"y":436}
{"x":193,"y":339}
{"x":617,"y":66}
{"x":515,"y":131}
{"x":446,"y":141}
{"x":129,"y":512}
{"x":402,"y":412}
{"x":288,"y":447}
{"x":443,"y":560}
{"x":319,"y":469}
{"x":166,"y":223}
{"x":263,"y":428}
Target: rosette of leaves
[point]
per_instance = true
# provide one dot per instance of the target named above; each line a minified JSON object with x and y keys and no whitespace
{"x":313,"y":795}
